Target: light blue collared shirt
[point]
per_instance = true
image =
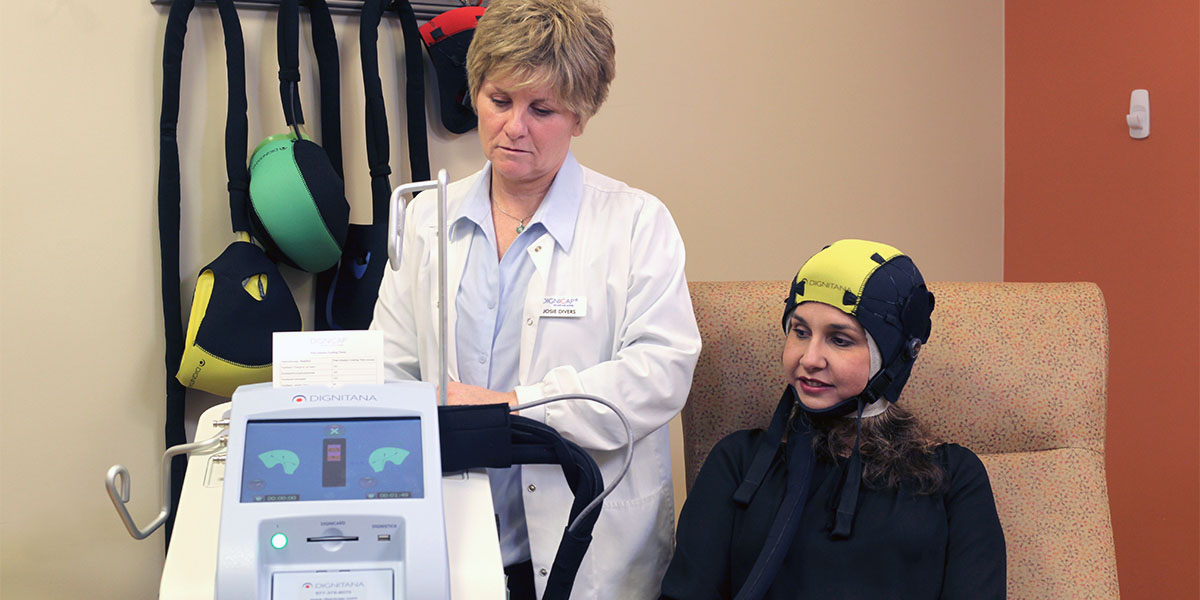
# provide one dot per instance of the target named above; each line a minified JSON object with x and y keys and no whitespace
{"x":490,"y":304}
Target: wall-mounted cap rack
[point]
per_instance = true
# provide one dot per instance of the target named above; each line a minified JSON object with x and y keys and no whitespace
{"x":424,"y":10}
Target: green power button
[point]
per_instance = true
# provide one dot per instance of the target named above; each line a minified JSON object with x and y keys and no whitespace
{"x":278,"y":541}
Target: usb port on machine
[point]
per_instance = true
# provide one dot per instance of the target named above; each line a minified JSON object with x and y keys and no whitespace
{"x":385,"y":537}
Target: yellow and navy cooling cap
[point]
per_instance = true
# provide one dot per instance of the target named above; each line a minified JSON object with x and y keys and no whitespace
{"x":881,"y":287}
{"x":240,"y":301}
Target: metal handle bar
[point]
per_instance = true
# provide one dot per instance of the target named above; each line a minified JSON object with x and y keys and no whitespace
{"x":119,"y":472}
{"x":396,"y":209}
{"x":396,"y":238}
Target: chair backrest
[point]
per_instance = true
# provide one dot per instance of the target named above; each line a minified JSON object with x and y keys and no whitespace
{"x":1016,"y":372}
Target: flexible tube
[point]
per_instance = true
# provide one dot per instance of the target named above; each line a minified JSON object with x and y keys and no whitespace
{"x":628,"y":446}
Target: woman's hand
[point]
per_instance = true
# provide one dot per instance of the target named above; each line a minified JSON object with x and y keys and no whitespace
{"x":461,"y":393}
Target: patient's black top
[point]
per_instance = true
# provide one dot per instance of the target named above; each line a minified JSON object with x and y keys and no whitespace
{"x":946,"y":545}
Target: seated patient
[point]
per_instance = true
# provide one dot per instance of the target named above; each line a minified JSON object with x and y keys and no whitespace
{"x":845,"y":495}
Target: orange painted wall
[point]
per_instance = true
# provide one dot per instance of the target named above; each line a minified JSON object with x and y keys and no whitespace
{"x":1084,"y":201}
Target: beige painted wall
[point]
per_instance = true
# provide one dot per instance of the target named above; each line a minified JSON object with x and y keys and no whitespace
{"x":768,"y":132}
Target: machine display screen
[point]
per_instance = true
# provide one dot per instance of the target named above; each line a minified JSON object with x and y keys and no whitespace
{"x":347,"y":459}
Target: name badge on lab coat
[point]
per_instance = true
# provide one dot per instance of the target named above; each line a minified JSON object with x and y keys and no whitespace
{"x":564,"y":306}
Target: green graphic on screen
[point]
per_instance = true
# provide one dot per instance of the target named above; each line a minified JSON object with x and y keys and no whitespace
{"x":381,"y":456}
{"x":287,"y":458}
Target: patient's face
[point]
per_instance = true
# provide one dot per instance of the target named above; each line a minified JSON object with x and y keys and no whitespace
{"x":826,"y":356}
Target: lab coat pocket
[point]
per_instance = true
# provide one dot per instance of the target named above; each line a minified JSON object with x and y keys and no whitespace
{"x":577,"y":341}
{"x":632,"y":545}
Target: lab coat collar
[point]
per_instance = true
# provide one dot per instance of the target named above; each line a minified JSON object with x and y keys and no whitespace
{"x":475,"y":207}
{"x":560,"y":208}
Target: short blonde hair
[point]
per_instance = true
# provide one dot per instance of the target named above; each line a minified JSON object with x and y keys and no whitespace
{"x":567,"y":44}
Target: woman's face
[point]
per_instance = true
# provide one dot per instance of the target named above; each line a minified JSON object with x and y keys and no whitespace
{"x":826,"y":356}
{"x":525,"y":132}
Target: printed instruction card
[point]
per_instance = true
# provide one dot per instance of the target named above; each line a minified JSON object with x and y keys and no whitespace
{"x":327,"y":358}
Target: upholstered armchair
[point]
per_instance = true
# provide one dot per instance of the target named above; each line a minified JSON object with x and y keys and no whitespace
{"x":1014,"y":371}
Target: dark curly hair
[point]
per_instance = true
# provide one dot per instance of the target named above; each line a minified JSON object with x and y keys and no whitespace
{"x":895,"y":448}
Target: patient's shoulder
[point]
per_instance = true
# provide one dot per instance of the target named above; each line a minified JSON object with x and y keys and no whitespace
{"x":963,"y":467}
{"x":954,"y":455}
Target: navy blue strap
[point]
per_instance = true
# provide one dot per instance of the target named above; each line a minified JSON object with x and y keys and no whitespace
{"x":236,"y":128}
{"x":378,"y":143}
{"x":168,"y":233}
{"x":800,"y":464}
{"x":852,"y":480}
{"x":325,"y":46}
{"x":287,"y":45}
{"x":762,"y":460}
{"x":586,"y":483}
{"x":414,"y":86}
{"x":329,"y":70}
{"x":170,"y":197}
{"x":349,"y":301}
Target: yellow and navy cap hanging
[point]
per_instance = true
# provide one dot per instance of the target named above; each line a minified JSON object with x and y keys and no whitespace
{"x":240,"y":300}
{"x":297,"y":197}
{"x":882,"y":288}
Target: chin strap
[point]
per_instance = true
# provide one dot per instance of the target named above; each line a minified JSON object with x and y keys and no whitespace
{"x":874,"y":392}
{"x":848,"y":503}
{"x":878,"y":385}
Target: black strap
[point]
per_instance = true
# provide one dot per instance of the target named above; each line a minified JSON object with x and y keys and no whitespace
{"x":378,"y":143}
{"x":762,"y":460}
{"x":800,"y":464}
{"x":531,"y":439}
{"x":287,"y":45}
{"x":349,"y":300}
{"x":236,"y":128}
{"x":169,"y":199}
{"x":851,"y":481}
{"x":899,"y":366}
{"x":414,"y":86}
{"x":325,"y":46}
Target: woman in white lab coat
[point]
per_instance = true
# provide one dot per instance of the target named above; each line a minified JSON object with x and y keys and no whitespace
{"x":560,"y":280}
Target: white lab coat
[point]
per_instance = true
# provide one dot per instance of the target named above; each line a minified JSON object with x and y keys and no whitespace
{"x":637,"y":347}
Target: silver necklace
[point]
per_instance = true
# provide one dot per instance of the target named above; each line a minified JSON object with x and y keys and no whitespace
{"x":520,"y":222}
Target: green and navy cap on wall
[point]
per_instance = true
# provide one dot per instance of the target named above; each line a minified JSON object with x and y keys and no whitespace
{"x":298,"y":208}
